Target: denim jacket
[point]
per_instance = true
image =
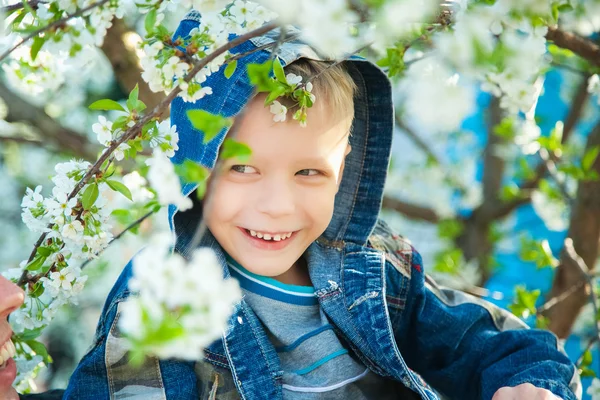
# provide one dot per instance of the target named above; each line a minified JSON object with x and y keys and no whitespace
{"x":369,"y":281}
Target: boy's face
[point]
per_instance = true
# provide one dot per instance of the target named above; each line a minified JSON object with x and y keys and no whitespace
{"x":287,"y":186}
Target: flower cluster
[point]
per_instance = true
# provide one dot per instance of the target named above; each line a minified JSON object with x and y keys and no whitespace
{"x":164,"y":180}
{"x":161,"y":135}
{"x":73,"y":231}
{"x":300,"y":94}
{"x":185,"y":303}
{"x":166,"y":66}
{"x":594,"y":86}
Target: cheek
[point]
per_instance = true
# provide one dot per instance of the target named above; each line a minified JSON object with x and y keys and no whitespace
{"x":320,"y":207}
{"x":222,"y":204}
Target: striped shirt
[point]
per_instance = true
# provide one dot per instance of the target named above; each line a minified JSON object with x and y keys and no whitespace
{"x":315,"y":364}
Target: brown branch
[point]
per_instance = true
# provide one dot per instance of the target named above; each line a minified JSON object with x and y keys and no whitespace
{"x":582,"y":47}
{"x":32,"y":3}
{"x":411,"y":211}
{"x":53,"y":25}
{"x":584,"y":230}
{"x":125,"y":63}
{"x":575,"y":112}
{"x":416,"y":139}
{"x":64,"y":139}
{"x":156,"y":113}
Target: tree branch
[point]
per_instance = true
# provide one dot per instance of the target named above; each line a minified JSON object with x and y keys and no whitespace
{"x":125,"y":63}
{"x":577,"y":107}
{"x":584,"y":230}
{"x":32,"y":3}
{"x":64,"y":139}
{"x":582,"y":47}
{"x":420,"y":143}
{"x":53,"y":25}
{"x":411,"y":211}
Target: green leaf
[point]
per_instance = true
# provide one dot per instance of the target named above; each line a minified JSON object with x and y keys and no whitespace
{"x":275,"y":93}
{"x":44,"y":251}
{"x":132,"y":101}
{"x":90,"y":195}
{"x":40,"y":350}
{"x":586,"y":360}
{"x":150,"y":21}
{"x":120,"y":187}
{"x":448,"y":261}
{"x":30,"y":334}
{"x":450,"y":228}
{"x":38,"y":42}
{"x":506,"y":128}
{"x":524,"y":302}
{"x":590,"y":158}
{"x":36,"y":263}
{"x":107,"y":104}
{"x":232,"y":148}
{"x":230,"y":69}
{"x":279,"y":72}
{"x":192,"y":172}
{"x":38,"y":290}
{"x":260,"y":76}
{"x":209,"y":124}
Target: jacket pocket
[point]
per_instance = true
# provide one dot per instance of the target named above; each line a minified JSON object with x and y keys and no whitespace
{"x":127,"y":382}
{"x":216,"y":383}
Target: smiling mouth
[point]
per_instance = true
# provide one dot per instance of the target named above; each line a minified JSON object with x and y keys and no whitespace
{"x":270,"y":237}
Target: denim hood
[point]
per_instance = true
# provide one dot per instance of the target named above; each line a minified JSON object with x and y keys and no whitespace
{"x":358,"y":200}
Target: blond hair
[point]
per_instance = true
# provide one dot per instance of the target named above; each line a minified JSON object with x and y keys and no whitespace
{"x":332,"y":84}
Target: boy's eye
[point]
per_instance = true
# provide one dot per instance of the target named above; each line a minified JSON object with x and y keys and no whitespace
{"x":243,"y":169}
{"x":308,"y":172}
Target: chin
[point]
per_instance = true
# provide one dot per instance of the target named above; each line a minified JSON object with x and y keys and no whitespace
{"x":10,"y":395}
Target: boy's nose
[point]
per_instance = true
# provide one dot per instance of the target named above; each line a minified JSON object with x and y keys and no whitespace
{"x":276,"y":199}
{"x":11,"y":297}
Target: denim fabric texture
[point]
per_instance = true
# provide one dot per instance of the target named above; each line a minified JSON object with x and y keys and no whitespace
{"x":369,"y":282}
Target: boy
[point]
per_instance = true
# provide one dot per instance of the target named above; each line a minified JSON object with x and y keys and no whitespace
{"x":335,"y":305}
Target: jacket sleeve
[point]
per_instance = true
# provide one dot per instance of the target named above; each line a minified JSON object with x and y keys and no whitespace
{"x":105,"y":372}
{"x":468,"y":348}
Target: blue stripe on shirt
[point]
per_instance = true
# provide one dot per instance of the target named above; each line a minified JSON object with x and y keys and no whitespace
{"x":322,"y":361}
{"x":303,"y":338}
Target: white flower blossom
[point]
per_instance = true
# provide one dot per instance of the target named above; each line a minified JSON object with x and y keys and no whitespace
{"x":72,"y":230}
{"x":594,"y":389}
{"x":103,"y":130}
{"x":279,"y":111}
{"x":293,"y":79}
{"x":164,"y":283}
{"x":165,"y":181}
{"x":433,"y":97}
{"x":554,"y":214}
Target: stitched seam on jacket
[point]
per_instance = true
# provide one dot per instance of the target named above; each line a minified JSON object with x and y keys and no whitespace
{"x":362,"y":164}
{"x":237,"y":382}
{"x":111,"y":388}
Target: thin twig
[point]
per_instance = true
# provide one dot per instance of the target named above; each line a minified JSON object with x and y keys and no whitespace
{"x":128,"y":228}
{"x":587,"y":348}
{"x":52,"y":25}
{"x":570,"y":252}
{"x":17,"y":6}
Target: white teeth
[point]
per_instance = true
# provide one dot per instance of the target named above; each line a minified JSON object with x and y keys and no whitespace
{"x":6,"y":352}
{"x":267,"y":236}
